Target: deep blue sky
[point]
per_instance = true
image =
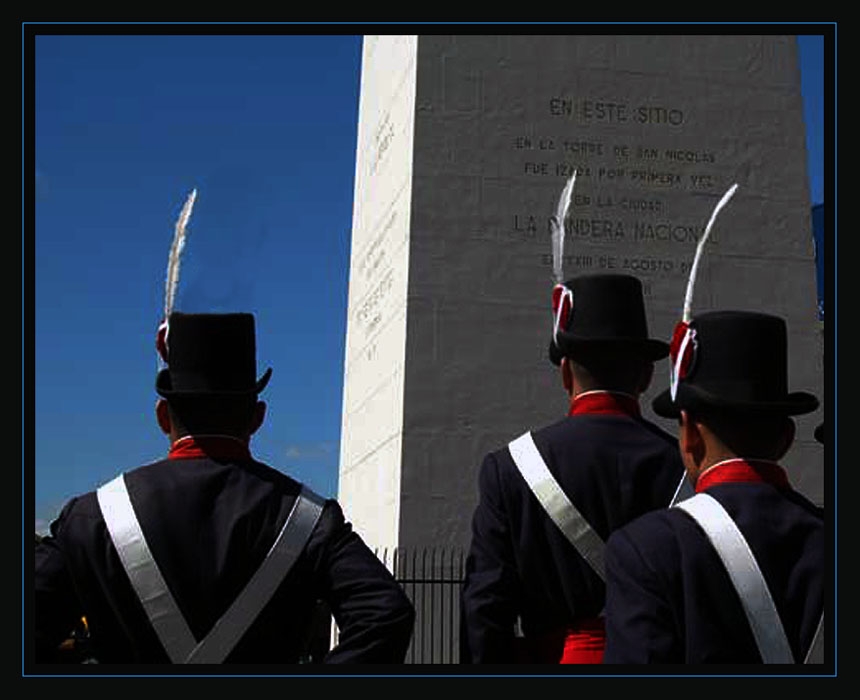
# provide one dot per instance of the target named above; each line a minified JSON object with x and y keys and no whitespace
{"x":265,"y":128}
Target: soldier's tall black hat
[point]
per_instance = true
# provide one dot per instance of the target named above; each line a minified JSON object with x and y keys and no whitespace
{"x":210,"y":354}
{"x":733,"y":361}
{"x":602,"y":311}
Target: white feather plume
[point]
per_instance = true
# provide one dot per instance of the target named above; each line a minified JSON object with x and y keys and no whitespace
{"x":558,"y":232}
{"x":176,"y":253}
{"x":691,"y":282}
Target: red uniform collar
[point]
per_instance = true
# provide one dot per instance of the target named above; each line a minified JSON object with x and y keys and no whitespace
{"x":219,"y":447}
{"x":739,"y":470}
{"x":611,"y":403}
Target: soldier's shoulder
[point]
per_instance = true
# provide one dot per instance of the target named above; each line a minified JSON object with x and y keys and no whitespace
{"x":659,"y":433}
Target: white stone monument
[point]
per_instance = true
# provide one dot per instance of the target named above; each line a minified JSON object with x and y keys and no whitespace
{"x":464,"y":144}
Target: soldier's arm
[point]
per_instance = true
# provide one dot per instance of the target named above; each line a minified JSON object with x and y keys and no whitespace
{"x":640,"y":623}
{"x":490,"y":593}
{"x":57,"y":611}
{"x":375,"y":618}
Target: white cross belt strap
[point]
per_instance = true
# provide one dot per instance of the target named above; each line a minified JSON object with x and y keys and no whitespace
{"x":556,"y":503}
{"x":746,"y":576}
{"x":144,"y":573}
{"x":160,"y":606}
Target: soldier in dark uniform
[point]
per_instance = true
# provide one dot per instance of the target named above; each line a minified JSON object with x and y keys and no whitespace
{"x":210,"y":535}
{"x":533,"y":589}
{"x":735,"y":574}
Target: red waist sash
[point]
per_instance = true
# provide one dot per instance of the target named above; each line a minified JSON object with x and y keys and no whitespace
{"x":585,"y":644}
{"x":582,"y":644}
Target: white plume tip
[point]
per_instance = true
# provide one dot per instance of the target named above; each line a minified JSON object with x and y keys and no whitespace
{"x":691,"y":282}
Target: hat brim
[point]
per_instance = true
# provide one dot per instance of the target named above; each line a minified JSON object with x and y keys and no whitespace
{"x":570,"y":345}
{"x":691,"y":398}
{"x":164,"y":387}
{"x":819,"y":433}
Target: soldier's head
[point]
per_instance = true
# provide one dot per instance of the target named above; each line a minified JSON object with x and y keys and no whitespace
{"x":609,"y":369}
{"x":729,"y":388}
{"x":600,"y":334}
{"x":209,"y":384}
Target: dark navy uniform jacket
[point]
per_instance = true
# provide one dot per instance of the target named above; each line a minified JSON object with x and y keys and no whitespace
{"x":209,"y":525}
{"x":670,"y":600}
{"x":613,"y":467}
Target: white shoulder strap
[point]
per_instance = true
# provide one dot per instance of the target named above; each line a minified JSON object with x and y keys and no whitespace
{"x":263,"y":584}
{"x":745,"y":574}
{"x":160,"y":606}
{"x":142,"y":570}
{"x":555,"y":502}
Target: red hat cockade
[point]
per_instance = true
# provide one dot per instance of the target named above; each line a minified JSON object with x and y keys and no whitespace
{"x":562,"y":306}
{"x":161,"y":341}
{"x":682,"y":354}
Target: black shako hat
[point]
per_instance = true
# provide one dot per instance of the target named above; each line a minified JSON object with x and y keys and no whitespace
{"x":602,"y":311}
{"x":738,"y":361}
{"x":210,"y":354}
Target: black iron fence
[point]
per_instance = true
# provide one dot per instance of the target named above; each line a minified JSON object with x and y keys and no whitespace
{"x":431,"y":577}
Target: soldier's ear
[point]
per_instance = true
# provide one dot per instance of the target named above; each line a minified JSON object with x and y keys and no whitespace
{"x":691,"y":446}
{"x":566,"y":375}
{"x":691,"y":441}
{"x":258,"y":417}
{"x":788,"y":435}
{"x":162,"y":415}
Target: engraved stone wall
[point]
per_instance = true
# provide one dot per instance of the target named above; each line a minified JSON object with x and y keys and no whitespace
{"x":451,"y":272}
